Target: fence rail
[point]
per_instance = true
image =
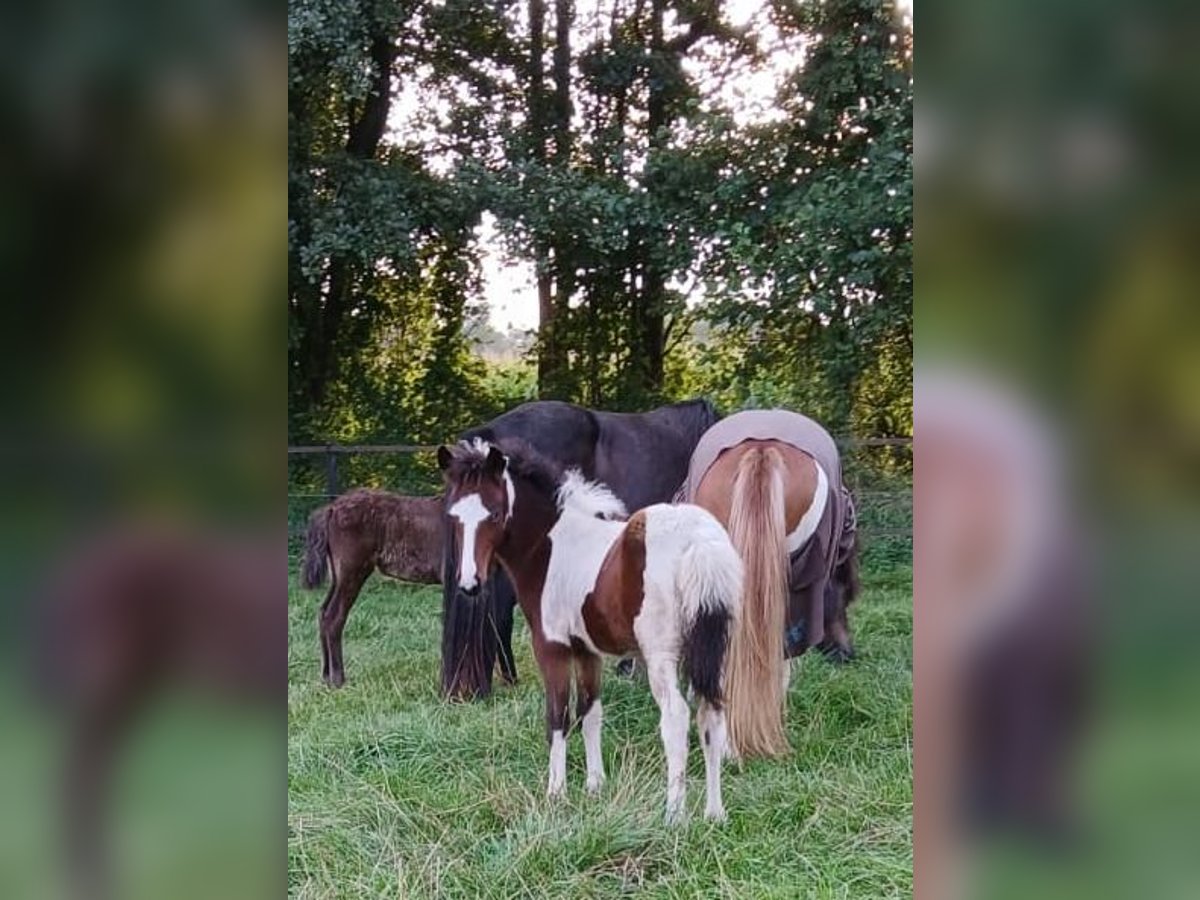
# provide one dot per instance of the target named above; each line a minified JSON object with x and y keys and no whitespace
{"x":343,"y":449}
{"x":332,"y":452}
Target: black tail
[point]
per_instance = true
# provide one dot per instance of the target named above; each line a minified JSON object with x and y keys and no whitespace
{"x":468,"y":632}
{"x":316,"y":549}
{"x":704,"y":652}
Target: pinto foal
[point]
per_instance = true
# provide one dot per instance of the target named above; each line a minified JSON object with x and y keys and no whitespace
{"x":666,"y":584}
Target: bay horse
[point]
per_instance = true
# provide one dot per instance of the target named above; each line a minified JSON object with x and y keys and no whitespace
{"x":364,"y":531}
{"x":773,"y":478}
{"x":641,"y":457}
{"x":666,"y":583}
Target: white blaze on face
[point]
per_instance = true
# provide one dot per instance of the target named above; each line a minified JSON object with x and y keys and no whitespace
{"x":469,"y":511}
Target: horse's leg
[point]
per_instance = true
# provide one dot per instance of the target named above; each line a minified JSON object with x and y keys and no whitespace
{"x":321,"y":616}
{"x":591,"y":714}
{"x":710,"y":722}
{"x":86,"y":782}
{"x":333,"y":619}
{"x":554,"y":660}
{"x":837,"y":646}
{"x":504,"y":599}
{"x":664,"y":684}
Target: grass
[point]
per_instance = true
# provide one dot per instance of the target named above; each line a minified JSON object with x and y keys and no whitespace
{"x":393,"y":793}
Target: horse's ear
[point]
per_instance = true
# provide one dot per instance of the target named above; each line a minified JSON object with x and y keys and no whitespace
{"x":495,"y":462}
{"x":444,"y":457}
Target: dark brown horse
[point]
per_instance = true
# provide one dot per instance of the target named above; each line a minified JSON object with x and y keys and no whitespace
{"x":665,"y":583}
{"x":364,"y":531}
{"x":640,"y":457}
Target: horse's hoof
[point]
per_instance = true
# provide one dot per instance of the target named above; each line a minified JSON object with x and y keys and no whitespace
{"x":335,"y":681}
{"x":837,"y":654}
{"x":717,"y":815}
{"x":594,"y":784}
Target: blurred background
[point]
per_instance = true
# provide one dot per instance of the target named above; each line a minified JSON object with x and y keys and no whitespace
{"x":142,"y":644}
{"x":1058,"y":418}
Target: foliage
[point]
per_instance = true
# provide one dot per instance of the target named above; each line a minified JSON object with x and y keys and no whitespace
{"x":684,"y":243}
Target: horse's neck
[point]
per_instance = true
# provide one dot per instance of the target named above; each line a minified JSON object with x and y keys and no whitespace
{"x":525,"y":554}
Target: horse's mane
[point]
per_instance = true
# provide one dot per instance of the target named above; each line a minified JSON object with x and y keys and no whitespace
{"x":589,"y":497}
{"x":523,"y":462}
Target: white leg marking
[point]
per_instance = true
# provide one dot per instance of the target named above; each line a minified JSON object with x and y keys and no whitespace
{"x":470,"y":511}
{"x":711,"y":725}
{"x":558,"y":765}
{"x":786,"y":677}
{"x":674,"y":726}
{"x":808,"y":523}
{"x":591,"y":746}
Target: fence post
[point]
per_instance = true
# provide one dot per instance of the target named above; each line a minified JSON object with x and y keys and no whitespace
{"x":331,"y":472}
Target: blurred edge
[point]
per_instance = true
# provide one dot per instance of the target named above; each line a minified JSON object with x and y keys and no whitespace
{"x":142,"y":393}
{"x":1056,"y":276}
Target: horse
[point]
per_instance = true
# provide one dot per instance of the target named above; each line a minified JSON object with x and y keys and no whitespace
{"x":666,"y":583}
{"x":361,"y":532}
{"x":129,"y":614}
{"x":641,"y":457}
{"x":773,"y":478}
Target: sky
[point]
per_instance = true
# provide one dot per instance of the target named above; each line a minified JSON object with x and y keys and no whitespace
{"x":508,"y":286}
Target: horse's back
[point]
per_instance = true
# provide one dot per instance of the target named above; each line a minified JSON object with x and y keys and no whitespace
{"x":783,"y":425}
{"x":801,"y":480}
{"x":563,"y":432}
{"x":671,"y":529}
{"x":644,"y":457}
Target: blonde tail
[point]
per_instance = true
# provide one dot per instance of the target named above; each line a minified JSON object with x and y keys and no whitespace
{"x":754,"y":677}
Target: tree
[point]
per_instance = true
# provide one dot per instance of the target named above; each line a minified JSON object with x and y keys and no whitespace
{"x":681,"y":244}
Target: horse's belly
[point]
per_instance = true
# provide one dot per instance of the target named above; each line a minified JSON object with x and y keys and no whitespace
{"x":607,"y":633}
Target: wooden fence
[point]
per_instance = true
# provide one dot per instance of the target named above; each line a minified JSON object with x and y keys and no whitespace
{"x":331,"y":452}
{"x":867,"y":498}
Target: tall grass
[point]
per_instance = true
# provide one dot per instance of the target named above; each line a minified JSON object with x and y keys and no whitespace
{"x":393,"y":793}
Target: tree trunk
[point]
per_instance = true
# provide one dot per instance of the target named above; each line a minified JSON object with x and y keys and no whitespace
{"x":564,"y":265}
{"x":536,"y":106}
{"x":651,"y":300}
{"x":321,"y":314}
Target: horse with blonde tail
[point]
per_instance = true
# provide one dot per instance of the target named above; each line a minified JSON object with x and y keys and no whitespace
{"x":773,"y":479}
